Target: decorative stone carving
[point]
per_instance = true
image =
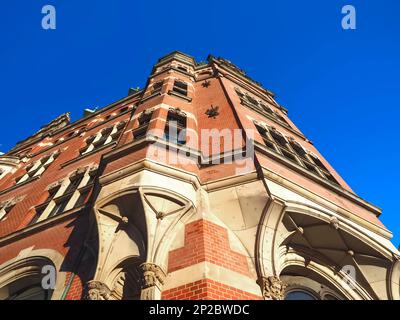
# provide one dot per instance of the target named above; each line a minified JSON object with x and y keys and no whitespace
{"x":152,"y":275}
{"x":152,"y":280}
{"x":334,"y":222}
{"x":93,"y":168}
{"x":272,"y":288}
{"x":212,"y":112}
{"x":177,"y":111}
{"x":9,"y":203}
{"x":206,"y":83}
{"x":97,"y":290}
{"x":54,"y":184}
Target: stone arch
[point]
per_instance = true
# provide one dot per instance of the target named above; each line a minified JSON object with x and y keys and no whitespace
{"x":27,"y":266}
{"x":325,"y":245}
{"x":137,"y":222}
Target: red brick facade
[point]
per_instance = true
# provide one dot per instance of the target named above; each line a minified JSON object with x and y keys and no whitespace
{"x":206,"y":241}
{"x":207,"y":289}
{"x":94,"y":149}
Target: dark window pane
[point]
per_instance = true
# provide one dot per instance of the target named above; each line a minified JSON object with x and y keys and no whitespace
{"x":82,"y":198}
{"x":74,"y":184}
{"x":180,"y":87}
{"x":59,"y":207}
{"x":299,"y":295}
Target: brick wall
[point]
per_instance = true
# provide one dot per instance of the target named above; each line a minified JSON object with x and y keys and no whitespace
{"x":207,"y":289}
{"x":206,"y":241}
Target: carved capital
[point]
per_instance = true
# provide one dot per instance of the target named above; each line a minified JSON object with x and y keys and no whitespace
{"x":272,"y":288}
{"x":97,"y":290}
{"x":152,"y":275}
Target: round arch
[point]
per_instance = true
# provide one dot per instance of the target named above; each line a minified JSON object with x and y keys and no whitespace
{"x":29,"y":266}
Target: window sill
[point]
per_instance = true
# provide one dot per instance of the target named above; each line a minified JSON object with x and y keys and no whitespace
{"x":181,"y":96}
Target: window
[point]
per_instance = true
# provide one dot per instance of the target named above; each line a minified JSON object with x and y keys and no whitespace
{"x":68,"y":194}
{"x":298,"y":149}
{"x":123,"y":110}
{"x":74,"y":183}
{"x":157,"y":87}
{"x":252,"y":100}
{"x":264,"y":134}
{"x":260,"y":107}
{"x":182,"y":68}
{"x":299,"y":295}
{"x":144,"y":121}
{"x":59,"y":207}
{"x":104,"y":137}
{"x":32,"y":292}
{"x":38,"y":167}
{"x":324,"y":170}
{"x":294,"y":152}
{"x":83,"y":194}
{"x":53,"y":190}
{"x":5,"y":208}
{"x":175,"y":127}
{"x":180,"y":87}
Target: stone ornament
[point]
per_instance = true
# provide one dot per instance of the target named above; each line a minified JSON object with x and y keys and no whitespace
{"x":97,"y":290}
{"x":55,"y":184}
{"x":334,"y":222}
{"x":273,"y":288}
{"x":152,"y":275}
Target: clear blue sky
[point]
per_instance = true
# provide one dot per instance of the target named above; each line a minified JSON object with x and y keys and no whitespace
{"x":342,"y":88}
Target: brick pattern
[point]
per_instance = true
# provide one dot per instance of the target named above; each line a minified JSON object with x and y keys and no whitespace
{"x":207,"y":289}
{"x":206,"y":241}
{"x":76,"y":289}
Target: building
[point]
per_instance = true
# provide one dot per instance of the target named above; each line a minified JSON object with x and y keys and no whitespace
{"x":198,"y":186}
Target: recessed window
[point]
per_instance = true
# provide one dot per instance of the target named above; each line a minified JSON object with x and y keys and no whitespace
{"x":144,"y":121}
{"x":29,"y":292}
{"x":175,"y":127}
{"x":103,"y":138}
{"x":59,"y":207}
{"x":252,"y":100}
{"x":74,"y":183}
{"x":182,"y":68}
{"x":5,"y":209}
{"x":264,"y":134}
{"x":279,"y":139}
{"x":157,"y":87}
{"x":299,"y":295}
{"x":38,"y":167}
{"x":180,"y":87}
{"x":60,"y":198}
{"x":298,"y":149}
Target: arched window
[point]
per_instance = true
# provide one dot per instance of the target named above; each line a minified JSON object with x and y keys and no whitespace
{"x":26,"y":288}
{"x":299,"y":294}
{"x":35,"y":292}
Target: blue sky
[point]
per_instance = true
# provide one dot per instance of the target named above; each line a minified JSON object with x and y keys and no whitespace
{"x":342,"y":88}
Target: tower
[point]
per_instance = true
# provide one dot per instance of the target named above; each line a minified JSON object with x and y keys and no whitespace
{"x":198,"y":186}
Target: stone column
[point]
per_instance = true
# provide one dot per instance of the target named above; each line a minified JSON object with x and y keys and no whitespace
{"x":272,"y":288}
{"x":152,"y":281}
